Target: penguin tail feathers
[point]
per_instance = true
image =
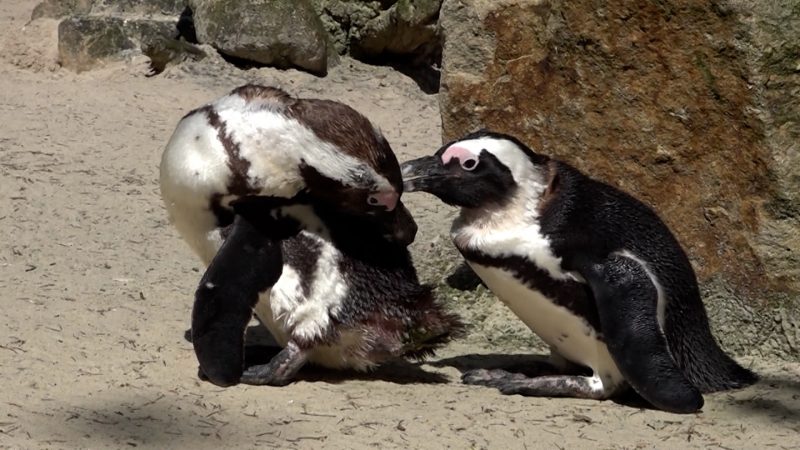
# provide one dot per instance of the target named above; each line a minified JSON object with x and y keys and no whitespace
{"x":716,"y":371}
{"x":433,"y":327}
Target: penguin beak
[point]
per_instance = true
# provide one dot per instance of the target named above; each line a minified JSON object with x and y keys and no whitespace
{"x":419,"y":174}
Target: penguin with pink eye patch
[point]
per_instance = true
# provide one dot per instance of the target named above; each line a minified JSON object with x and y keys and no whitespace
{"x":591,"y":270}
{"x":260,"y":163}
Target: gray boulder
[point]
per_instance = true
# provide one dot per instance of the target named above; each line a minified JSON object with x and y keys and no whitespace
{"x":144,"y":7}
{"x":408,"y":26}
{"x":372,"y":28}
{"x":281,"y":33}
{"x":62,"y":8}
{"x":85,"y":42}
{"x":55,"y":9}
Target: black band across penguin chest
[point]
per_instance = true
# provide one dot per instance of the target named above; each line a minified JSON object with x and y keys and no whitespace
{"x":572,"y":295}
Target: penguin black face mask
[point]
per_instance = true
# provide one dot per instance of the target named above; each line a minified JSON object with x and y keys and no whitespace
{"x":460,"y":177}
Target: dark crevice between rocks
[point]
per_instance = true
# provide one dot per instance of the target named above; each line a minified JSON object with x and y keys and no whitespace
{"x":247,"y":64}
{"x":242,"y":63}
{"x":424,"y":67}
{"x":186,"y":26}
{"x":163,"y":51}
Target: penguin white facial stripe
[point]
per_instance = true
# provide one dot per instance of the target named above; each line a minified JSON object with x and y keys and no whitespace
{"x":661,"y":306}
{"x":507,"y":153}
{"x":259,"y":128}
{"x":271,"y":141}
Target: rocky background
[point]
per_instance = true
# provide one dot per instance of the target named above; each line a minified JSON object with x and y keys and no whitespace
{"x":692,"y":106}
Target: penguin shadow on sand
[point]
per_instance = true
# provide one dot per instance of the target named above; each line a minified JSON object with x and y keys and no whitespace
{"x":776,"y":397}
{"x":261,"y":348}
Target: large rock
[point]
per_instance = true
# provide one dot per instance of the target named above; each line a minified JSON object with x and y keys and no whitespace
{"x":344,"y":19}
{"x":281,"y":33}
{"x":372,"y":29}
{"x":408,"y":26}
{"x":400,"y":33}
{"x":691,"y":106}
{"x":56,"y":9}
{"x":62,"y":8}
{"x":85,"y":42}
{"x":144,"y":7}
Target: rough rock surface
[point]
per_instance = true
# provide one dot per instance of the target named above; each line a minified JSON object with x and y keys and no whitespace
{"x":689,"y":106}
{"x":85,"y":42}
{"x":146,"y":7}
{"x":63,"y":8}
{"x":408,"y":26}
{"x":370,"y":29}
{"x":60,"y":8}
{"x":280,"y":33}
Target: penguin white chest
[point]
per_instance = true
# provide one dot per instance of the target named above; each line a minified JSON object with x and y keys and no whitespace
{"x":569,"y":334}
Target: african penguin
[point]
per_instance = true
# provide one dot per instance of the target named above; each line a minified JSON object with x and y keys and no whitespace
{"x":590,"y":269}
{"x":348,"y":298}
{"x":260,"y":142}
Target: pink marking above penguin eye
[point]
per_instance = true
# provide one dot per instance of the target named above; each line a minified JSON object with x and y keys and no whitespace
{"x":386,"y":199}
{"x":460,"y":153}
{"x":466,"y":158}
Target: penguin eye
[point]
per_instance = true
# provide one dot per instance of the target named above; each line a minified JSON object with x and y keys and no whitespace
{"x":373,"y":200}
{"x":469,"y":164}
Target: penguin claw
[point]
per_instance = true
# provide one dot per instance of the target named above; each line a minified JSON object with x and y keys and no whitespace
{"x":279,"y":371}
{"x":263,"y":375}
{"x":475,"y":376}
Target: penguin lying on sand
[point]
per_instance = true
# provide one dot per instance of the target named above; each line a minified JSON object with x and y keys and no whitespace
{"x":590,"y":269}
{"x":348,"y":297}
{"x":288,"y":152}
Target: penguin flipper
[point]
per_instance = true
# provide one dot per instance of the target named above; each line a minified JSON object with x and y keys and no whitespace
{"x":627,"y":302}
{"x":247,"y":263}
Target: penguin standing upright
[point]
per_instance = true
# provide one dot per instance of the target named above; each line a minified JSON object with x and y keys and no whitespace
{"x":590,"y":269}
{"x":258,"y":142}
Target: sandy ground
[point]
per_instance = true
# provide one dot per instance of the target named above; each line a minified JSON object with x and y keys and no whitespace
{"x":96,"y":291}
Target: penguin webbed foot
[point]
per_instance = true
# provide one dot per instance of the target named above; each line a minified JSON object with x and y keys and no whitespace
{"x":509,"y":383}
{"x":532,"y":369}
{"x":281,"y":369}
